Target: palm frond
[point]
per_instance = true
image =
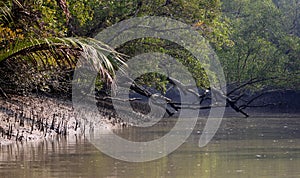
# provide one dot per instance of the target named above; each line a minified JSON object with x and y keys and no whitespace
{"x":5,"y":10}
{"x":63,"y":51}
{"x":5,"y":14}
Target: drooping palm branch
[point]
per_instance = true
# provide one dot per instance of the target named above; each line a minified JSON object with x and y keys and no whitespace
{"x":64,"y":51}
{"x":56,"y":51}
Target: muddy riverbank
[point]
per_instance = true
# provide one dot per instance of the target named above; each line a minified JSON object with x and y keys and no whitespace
{"x":33,"y":118}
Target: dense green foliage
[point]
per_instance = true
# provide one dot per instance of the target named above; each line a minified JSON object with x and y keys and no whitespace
{"x":37,"y":53}
{"x":41,"y":40}
{"x":266,"y":42}
{"x":205,"y":16}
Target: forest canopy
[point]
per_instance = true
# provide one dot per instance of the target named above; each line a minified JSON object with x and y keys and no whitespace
{"x":40,"y":41}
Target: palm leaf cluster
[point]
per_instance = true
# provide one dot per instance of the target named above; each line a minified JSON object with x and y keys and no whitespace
{"x":47,"y":63}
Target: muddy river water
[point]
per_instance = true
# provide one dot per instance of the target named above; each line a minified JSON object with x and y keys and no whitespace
{"x":260,"y":147}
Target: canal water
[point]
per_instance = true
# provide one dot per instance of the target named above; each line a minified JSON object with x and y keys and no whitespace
{"x":260,"y":147}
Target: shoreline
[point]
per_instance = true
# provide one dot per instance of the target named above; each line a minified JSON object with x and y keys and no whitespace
{"x":33,"y":118}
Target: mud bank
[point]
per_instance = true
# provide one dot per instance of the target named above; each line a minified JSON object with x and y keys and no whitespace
{"x":33,"y":118}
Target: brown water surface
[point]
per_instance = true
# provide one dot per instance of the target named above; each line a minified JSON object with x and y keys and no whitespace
{"x":242,"y":148}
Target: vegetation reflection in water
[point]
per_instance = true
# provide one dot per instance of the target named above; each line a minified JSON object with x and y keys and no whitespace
{"x":276,"y":154}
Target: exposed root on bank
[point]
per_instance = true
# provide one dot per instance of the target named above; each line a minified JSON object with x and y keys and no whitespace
{"x":33,"y":118}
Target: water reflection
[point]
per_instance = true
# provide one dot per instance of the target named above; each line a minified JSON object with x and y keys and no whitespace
{"x":233,"y":153}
